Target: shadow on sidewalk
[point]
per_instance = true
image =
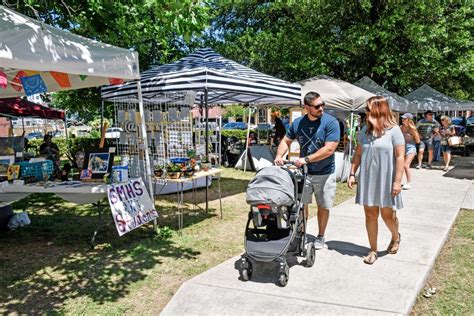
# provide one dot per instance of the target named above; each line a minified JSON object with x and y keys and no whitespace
{"x":350,"y":249}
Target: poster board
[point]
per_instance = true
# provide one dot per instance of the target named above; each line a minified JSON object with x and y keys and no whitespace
{"x":294,"y":150}
{"x":131,"y":205}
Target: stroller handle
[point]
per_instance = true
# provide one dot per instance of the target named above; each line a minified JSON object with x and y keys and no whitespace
{"x":292,"y":163}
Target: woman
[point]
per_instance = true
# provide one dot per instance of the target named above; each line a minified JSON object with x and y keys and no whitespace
{"x":446,"y":131}
{"x":412,"y":137}
{"x":380,"y":153}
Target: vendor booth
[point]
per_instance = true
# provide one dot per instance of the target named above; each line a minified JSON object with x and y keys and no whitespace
{"x":204,"y":78}
{"x":38,"y":58}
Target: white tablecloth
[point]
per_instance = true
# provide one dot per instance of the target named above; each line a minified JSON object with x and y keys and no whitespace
{"x":74,"y":191}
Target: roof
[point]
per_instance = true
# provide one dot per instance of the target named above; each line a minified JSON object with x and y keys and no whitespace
{"x":226,"y":81}
{"x":396,"y":102}
{"x":427,"y":98}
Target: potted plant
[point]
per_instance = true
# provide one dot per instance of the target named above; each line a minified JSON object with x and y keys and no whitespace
{"x":174,"y":170}
{"x":205,"y":164}
{"x":158,"y":170}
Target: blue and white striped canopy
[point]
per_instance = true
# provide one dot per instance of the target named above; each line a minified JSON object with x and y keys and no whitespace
{"x":227,"y":82}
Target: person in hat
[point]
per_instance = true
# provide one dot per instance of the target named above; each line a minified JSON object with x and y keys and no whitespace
{"x":412,"y":137}
{"x":428,"y":127}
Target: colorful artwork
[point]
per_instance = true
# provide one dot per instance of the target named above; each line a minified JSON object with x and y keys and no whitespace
{"x":5,"y":162}
{"x":13,"y":172}
{"x":98,"y":162}
{"x":16,"y":82}
{"x":86,"y":174}
{"x":61,"y":78}
{"x":33,"y":85}
{"x":116,"y":81}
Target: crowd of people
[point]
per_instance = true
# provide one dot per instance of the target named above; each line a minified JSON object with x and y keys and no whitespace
{"x":384,"y":152}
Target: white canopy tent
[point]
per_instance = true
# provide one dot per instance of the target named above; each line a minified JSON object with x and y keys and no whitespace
{"x":337,"y":94}
{"x":397,"y":103}
{"x":426,"y":98}
{"x":38,"y":58}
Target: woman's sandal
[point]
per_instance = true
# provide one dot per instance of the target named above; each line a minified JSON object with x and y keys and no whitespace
{"x":394,"y":243}
{"x":371,"y":257}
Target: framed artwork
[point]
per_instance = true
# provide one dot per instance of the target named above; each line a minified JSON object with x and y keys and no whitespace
{"x":13,"y":172}
{"x":5,"y":162}
{"x":99,"y":163}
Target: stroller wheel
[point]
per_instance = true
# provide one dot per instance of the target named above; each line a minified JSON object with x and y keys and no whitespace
{"x":283,"y":279}
{"x":245,"y":274}
{"x":310,"y":254}
{"x":245,"y":270}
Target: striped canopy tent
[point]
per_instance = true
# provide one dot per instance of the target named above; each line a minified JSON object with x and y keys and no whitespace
{"x":397,"y":103}
{"x":426,"y":98}
{"x":217,"y":79}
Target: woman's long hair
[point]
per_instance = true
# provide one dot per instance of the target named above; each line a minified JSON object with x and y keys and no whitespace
{"x":379,"y":116}
{"x":413,"y":130}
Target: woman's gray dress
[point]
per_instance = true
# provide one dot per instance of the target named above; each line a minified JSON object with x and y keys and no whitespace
{"x":377,"y":169}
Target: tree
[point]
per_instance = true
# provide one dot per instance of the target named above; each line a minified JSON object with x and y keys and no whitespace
{"x":401,"y":45}
{"x":160,"y":31}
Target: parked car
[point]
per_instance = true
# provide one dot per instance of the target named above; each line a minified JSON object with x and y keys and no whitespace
{"x":34,"y":135}
{"x":235,"y":125}
{"x":470,"y":121}
{"x":459,"y":124}
{"x":113,"y":132}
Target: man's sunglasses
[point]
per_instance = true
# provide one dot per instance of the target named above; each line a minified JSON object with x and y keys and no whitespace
{"x":317,"y":106}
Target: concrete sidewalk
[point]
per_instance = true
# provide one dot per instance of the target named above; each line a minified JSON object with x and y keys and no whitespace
{"x":339,"y":282}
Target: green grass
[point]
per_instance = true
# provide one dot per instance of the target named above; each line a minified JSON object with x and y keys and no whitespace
{"x":48,"y":265}
{"x":453,"y":273}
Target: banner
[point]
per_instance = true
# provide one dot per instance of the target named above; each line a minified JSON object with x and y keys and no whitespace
{"x":131,"y":205}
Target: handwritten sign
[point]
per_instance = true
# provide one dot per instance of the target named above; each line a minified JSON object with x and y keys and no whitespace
{"x":131,"y":205}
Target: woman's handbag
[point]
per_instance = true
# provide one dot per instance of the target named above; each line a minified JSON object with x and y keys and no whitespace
{"x":454,"y":141}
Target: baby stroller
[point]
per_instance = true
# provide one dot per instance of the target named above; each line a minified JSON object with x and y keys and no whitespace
{"x":276,"y":223}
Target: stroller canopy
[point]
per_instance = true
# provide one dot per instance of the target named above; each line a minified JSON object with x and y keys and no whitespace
{"x":272,"y":185}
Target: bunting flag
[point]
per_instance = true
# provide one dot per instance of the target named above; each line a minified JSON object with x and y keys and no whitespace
{"x":114,"y":81}
{"x":61,"y":78}
{"x":3,"y":80}
{"x":31,"y":72}
{"x":33,"y":85}
{"x":83,"y":77}
{"x":16,"y":82}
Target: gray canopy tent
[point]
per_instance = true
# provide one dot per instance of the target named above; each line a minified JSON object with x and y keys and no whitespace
{"x":396,"y":102}
{"x":214,"y":79}
{"x":338,"y":95}
{"x":426,"y":98}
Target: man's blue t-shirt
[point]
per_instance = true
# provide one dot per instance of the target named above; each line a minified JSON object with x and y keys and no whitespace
{"x":311,"y":135}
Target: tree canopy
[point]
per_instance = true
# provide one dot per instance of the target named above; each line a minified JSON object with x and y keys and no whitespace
{"x":401,"y":45}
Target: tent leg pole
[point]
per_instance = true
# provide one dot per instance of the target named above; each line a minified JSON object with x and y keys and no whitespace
{"x":102,"y":117}
{"x":146,"y":149}
{"x":352,"y":136}
{"x":247,"y":141}
{"x":207,"y":145}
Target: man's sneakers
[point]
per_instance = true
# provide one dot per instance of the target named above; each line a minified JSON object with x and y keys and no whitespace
{"x":428,"y":166}
{"x":418,"y":167}
{"x":319,"y":243}
{"x":406,"y":186}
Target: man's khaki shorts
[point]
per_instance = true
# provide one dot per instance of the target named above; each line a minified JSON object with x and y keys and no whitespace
{"x":323,"y":187}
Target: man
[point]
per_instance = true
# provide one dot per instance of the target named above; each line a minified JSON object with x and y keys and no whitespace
{"x":428,"y":128}
{"x":318,"y":135}
{"x":50,"y":150}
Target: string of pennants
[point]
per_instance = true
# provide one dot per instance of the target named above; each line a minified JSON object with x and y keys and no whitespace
{"x":32,"y":82}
